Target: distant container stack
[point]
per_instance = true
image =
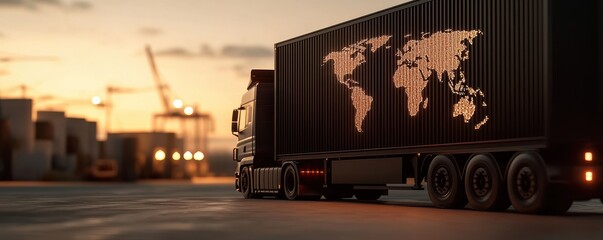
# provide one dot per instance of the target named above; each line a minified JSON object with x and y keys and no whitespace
{"x":59,"y":127}
{"x":30,"y":158}
{"x":18,"y":112}
{"x":56,"y":147}
{"x":82,"y":146}
{"x":32,"y":150}
{"x":145,"y":154}
{"x":6,"y":151}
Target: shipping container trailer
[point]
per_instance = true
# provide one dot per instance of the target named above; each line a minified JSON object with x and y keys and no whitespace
{"x":492,"y":103}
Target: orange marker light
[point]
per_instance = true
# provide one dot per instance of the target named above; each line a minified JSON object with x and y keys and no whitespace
{"x":588,"y":156}
{"x":588,"y":176}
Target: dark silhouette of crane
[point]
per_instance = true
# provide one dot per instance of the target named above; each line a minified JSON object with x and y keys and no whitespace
{"x":7,"y":59}
{"x":162,"y":89}
{"x":27,"y":58}
{"x":23,"y":87}
{"x":203,"y":122}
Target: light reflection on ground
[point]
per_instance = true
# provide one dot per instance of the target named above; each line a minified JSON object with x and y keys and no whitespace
{"x":207,"y":210}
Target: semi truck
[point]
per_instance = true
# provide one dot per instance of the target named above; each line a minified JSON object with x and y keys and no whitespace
{"x":483,"y":103}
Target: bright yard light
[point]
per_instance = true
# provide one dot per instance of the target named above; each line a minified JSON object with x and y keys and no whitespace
{"x":188,"y":111}
{"x":96,"y":100}
{"x":159,"y":155}
{"x":188,"y":155}
{"x":588,"y":176}
{"x":177,"y":103}
{"x":176,"y":156}
{"x":199,"y":156}
{"x":588,"y":156}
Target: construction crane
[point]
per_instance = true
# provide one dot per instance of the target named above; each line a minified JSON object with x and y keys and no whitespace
{"x":22,"y":87}
{"x":170,"y":111}
{"x":175,"y":111}
{"x":108,"y":104}
{"x":162,"y":89}
{"x":27,"y":58}
{"x":8,"y":59}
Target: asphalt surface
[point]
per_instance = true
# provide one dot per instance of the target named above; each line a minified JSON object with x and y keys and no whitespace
{"x":179,"y":210}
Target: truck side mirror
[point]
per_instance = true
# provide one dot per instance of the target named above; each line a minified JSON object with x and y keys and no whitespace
{"x":235,"y":154}
{"x":234,"y":127}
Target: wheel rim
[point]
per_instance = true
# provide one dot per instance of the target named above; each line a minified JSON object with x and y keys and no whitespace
{"x":526,"y":183}
{"x":289,"y":182}
{"x":244,"y":181}
{"x":481,"y":182}
{"x":442,"y":181}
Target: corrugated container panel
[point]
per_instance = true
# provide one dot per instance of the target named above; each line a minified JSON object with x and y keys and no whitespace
{"x":502,"y":73}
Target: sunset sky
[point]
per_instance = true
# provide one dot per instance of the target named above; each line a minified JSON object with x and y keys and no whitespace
{"x":204,"y":51}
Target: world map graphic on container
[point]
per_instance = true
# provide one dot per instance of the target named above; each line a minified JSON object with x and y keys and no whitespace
{"x":417,"y":61}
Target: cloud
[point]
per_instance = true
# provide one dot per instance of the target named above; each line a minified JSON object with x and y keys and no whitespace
{"x":12,"y":3}
{"x":81,"y":5}
{"x":235,"y":51}
{"x":48,"y":2}
{"x":149,"y":31}
{"x":175,"y":52}
{"x":36,"y":4}
{"x":207,"y":51}
{"x":228,"y":51}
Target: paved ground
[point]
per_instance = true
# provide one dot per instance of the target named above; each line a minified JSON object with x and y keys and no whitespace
{"x":178,"y":210}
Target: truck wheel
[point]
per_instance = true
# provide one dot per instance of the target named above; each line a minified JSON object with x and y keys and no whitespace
{"x":444,"y":184}
{"x":367,"y":195}
{"x":291,"y":182}
{"x":484,"y":185}
{"x":526,"y":183}
{"x":245,"y":183}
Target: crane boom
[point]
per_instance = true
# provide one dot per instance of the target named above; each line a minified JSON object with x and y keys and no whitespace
{"x":23,"y":58}
{"x":160,"y":87}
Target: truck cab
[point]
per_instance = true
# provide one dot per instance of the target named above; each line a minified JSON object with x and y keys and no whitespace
{"x":253,"y":124}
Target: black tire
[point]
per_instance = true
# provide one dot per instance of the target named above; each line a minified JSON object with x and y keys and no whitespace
{"x":527,"y":183}
{"x":368,"y":195}
{"x":484,"y":185}
{"x":245,"y":183}
{"x":444,"y":183}
{"x":281,"y":194}
{"x":291,"y":182}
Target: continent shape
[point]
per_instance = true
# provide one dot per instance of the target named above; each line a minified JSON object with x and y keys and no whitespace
{"x":363,"y":104}
{"x":345,"y":62}
{"x":437,"y":53}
